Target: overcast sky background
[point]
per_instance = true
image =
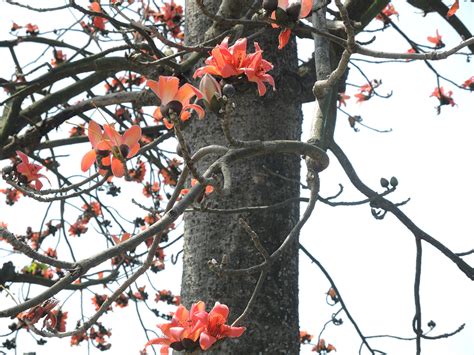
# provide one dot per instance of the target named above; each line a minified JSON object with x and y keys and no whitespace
{"x":372,"y":262}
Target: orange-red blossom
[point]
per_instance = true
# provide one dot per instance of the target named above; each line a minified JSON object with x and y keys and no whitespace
{"x":189,"y":330}
{"x":29,"y":171}
{"x":174,"y":99}
{"x":110,"y":148}
{"x":231,"y":61}
{"x":294,"y":10}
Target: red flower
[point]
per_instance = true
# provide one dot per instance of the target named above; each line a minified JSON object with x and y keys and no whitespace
{"x":58,"y":320}
{"x":294,"y":11}
{"x":15,"y":27}
{"x":33,"y":315}
{"x":209,"y":188}
{"x":78,"y":228}
{"x":388,"y":11}
{"x":216,"y":327}
{"x":183,"y":332}
{"x":12,"y":195}
{"x":321,"y":346}
{"x":436,"y":40}
{"x":29,"y":171}
{"x":58,"y":57}
{"x":97,"y":21}
{"x":444,"y":98}
{"x":174,"y":99}
{"x":228,"y":61}
{"x":469,"y":83}
{"x":305,"y":337}
{"x":31,"y":29}
{"x":341,"y":98}
{"x":111,"y":142}
{"x":77,"y":131}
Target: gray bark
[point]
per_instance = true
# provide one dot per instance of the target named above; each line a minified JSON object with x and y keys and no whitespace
{"x":272,"y":326}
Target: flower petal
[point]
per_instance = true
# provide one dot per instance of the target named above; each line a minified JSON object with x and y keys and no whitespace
{"x":94,"y":132}
{"x":87,"y":160}
{"x":206,"y":340}
{"x":233,"y":332}
{"x":186,"y":92}
{"x":283,"y":38}
{"x":199,"y":110}
{"x":113,"y":135}
{"x":220,"y":310}
{"x":117,"y":167}
{"x":132,"y":136}
{"x":306,"y":6}
{"x":167,"y":88}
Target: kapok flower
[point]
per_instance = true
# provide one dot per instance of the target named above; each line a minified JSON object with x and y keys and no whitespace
{"x":225,"y":61}
{"x":174,"y":99}
{"x":384,"y":15}
{"x":436,"y":40}
{"x":29,"y":171}
{"x":469,"y":83}
{"x":256,"y":70}
{"x":33,"y":315}
{"x":321,"y":346}
{"x":183,"y":332}
{"x":444,"y":98}
{"x":341,"y":98}
{"x":216,"y":327}
{"x":230,"y":61}
{"x":289,"y":11}
{"x":111,"y":142}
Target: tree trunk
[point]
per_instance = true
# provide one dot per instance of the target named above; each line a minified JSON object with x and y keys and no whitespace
{"x":272,"y":325}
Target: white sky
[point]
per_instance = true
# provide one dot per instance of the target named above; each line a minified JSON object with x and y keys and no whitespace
{"x":372,"y":262}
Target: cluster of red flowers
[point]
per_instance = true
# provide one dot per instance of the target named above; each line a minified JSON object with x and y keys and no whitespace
{"x":168,"y":297}
{"x":171,"y":15}
{"x":194,"y":329}
{"x":366,"y":91}
{"x":137,"y":174}
{"x":91,"y":210}
{"x":124,"y":82}
{"x":33,"y":315}
{"x":97,"y":337}
{"x":30,"y":28}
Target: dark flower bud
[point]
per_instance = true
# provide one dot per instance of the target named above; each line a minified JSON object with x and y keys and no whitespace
{"x":172,"y":106}
{"x":384,"y":182}
{"x":228,"y":90}
{"x":394,"y":181}
{"x":270,"y":5}
{"x":294,"y":11}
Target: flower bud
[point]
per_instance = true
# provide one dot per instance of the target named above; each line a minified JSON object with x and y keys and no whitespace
{"x":210,"y":88}
{"x":228,"y":90}
{"x":394,"y":181}
{"x":172,"y":106}
{"x":270,"y":5}
{"x":384,"y":182}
